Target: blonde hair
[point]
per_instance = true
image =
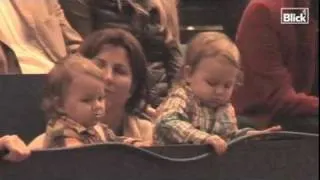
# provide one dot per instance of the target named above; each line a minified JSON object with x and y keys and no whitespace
{"x":60,"y":78}
{"x":212,"y":44}
{"x":169,"y":20}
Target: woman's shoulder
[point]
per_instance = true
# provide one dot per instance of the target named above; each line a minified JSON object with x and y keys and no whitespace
{"x":141,"y":128}
{"x":143,"y":124}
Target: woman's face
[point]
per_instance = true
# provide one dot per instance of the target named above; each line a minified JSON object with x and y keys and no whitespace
{"x":114,"y":62}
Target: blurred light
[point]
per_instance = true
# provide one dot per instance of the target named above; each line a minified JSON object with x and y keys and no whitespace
{"x":190,"y":28}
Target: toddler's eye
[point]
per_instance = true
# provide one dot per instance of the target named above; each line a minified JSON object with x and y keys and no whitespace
{"x":86,"y":100}
{"x":101,"y":98}
{"x":211,"y":83}
{"x":227,"y":86}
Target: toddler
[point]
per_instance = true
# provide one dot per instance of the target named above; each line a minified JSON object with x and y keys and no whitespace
{"x":198,"y":109}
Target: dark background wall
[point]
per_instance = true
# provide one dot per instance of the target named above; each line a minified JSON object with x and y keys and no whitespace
{"x":207,"y":15}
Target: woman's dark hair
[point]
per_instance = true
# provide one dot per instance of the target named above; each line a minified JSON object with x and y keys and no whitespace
{"x":94,"y":43}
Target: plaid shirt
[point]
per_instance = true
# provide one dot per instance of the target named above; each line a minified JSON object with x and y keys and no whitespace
{"x":183,"y":118}
{"x":58,"y":130}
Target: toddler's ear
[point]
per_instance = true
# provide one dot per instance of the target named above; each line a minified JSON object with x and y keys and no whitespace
{"x":186,"y":72}
{"x":58,"y":104}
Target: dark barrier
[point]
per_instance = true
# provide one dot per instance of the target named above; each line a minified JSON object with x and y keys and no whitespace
{"x":280,"y":156}
{"x":20,"y":98}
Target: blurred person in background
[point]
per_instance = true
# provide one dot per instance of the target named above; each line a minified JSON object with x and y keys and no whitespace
{"x":280,"y":65}
{"x":34,"y":35}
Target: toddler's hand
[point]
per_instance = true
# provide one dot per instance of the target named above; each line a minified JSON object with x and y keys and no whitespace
{"x":217,"y":143}
{"x":137,"y":142}
{"x":129,"y":140}
{"x":142,"y":144}
{"x":18,"y":150}
{"x":271,"y":129}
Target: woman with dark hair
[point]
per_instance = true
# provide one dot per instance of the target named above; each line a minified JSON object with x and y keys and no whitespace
{"x":123,"y":62}
{"x":102,"y":45}
{"x":121,"y":58}
{"x":153,"y":22}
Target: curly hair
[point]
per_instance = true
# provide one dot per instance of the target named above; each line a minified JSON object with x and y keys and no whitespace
{"x":213,"y":44}
{"x":60,"y":78}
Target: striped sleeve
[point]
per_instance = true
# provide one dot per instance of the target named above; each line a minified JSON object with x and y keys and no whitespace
{"x":226,"y":124}
{"x":173,"y":123}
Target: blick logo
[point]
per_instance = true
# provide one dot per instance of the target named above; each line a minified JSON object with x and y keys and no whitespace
{"x":294,"y":15}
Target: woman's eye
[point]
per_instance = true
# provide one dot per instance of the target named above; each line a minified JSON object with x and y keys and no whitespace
{"x":121,"y":70}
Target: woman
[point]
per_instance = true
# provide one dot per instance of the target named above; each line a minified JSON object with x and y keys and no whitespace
{"x":153,"y":22}
{"x":121,"y":58}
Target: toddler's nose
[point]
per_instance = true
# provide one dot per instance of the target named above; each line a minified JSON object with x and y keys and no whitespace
{"x":99,"y":107}
{"x":219,"y":90}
